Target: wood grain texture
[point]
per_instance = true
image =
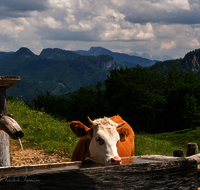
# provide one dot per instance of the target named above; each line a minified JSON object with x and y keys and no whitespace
{"x":177,"y":174}
{"x":4,"y":138}
{"x":11,"y":127}
{"x":8,"y":81}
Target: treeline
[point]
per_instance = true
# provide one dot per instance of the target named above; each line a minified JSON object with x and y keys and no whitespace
{"x":149,"y":101}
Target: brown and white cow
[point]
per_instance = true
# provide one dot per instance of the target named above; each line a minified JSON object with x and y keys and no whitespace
{"x":105,"y":142}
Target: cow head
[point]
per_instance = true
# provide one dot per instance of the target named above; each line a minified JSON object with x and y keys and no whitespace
{"x":105,"y":136}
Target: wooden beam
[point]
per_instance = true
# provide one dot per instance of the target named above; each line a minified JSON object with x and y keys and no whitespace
{"x":179,"y":173}
{"x":8,"y":81}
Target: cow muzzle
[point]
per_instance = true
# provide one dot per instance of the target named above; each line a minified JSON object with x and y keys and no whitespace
{"x":115,"y":160}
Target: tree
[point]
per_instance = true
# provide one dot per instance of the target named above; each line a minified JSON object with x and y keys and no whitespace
{"x":137,"y":95}
{"x":191,"y":114}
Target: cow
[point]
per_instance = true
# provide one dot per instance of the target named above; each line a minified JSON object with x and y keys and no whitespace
{"x":105,"y":142}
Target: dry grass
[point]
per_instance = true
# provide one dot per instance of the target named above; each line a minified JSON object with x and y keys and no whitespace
{"x":32,"y":156}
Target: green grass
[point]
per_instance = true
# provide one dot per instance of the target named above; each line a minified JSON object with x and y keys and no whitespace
{"x":42,"y":131}
{"x":148,"y":145}
{"x":166,"y":143}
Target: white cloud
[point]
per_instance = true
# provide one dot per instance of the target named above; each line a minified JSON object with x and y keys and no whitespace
{"x":50,"y":22}
{"x":168,"y":45}
{"x":194,"y":43}
{"x":153,"y":26}
{"x":173,"y":5}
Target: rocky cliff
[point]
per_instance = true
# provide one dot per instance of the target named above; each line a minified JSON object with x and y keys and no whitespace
{"x":191,"y":61}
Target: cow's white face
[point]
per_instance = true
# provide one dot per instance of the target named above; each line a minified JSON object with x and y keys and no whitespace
{"x":103,"y":145}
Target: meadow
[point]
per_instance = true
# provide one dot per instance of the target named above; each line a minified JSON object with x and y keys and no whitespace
{"x":43,"y":131}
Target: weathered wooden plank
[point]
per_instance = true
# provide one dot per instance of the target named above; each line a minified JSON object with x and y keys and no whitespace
{"x":11,"y":169}
{"x":177,"y":174}
{"x":8,"y":81}
{"x":195,"y":157}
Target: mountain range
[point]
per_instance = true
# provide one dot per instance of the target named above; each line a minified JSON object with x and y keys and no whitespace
{"x":190,"y":62}
{"x":119,"y":57}
{"x":61,"y":71}
{"x":55,"y":70}
{"x":4,"y":54}
{"x":153,"y":57}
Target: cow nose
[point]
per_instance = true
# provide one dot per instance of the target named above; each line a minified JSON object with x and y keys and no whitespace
{"x":115,"y":160}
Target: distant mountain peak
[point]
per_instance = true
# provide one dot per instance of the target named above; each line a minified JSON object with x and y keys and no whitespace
{"x":98,"y":51}
{"x":57,"y":54}
{"x":119,"y":57}
{"x":23,"y":51}
{"x":146,"y":55}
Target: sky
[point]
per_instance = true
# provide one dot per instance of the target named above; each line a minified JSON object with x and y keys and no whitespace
{"x":157,"y":27}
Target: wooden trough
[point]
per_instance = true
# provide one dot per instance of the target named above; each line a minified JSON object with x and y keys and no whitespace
{"x":143,"y":172}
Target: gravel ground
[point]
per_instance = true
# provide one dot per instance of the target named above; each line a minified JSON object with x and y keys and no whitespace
{"x":32,"y":156}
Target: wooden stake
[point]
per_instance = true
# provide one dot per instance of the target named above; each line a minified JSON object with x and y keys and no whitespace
{"x":178,"y":153}
{"x":4,"y":137}
{"x":192,"y":149}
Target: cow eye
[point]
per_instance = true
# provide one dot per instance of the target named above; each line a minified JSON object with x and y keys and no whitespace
{"x":100,"y":140}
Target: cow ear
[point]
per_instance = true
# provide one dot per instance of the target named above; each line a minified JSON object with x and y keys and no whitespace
{"x":123,"y":133}
{"x":79,"y":129}
{"x":120,"y":124}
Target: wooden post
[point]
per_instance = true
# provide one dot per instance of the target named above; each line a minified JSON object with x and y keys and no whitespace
{"x":192,"y":149}
{"x":5,"y":82}
{"x":4,"y":138}
{"x":178,"y":153}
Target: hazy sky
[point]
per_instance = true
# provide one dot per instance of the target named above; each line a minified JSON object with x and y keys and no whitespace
{"x":158,"y":27}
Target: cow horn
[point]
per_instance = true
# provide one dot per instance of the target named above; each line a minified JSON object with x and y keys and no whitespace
{"x":120,"y":124}
{"x":90,"y":121}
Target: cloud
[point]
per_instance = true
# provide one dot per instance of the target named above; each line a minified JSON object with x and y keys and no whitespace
{"x":153,"y":26}
{"x":168,"y":45}
{"x":194,"y":43}
{"x":21,"y":8}
{"x":162,"y":11}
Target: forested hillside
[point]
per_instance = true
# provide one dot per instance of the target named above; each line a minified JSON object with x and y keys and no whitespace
{"x":63,"y":72}
{"x":190,"y":62}
{"x":149,"y":101}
